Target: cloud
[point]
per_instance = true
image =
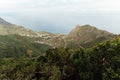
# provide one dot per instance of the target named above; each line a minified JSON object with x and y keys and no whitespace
{"x":25,"y":6}
{"x":60,"y":14}
{"x":51,"y":8}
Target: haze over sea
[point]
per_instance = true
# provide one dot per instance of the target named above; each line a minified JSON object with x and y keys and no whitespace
{"x":61,"y":16}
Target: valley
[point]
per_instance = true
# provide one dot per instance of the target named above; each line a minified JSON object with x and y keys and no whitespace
{"x":86,"y":53}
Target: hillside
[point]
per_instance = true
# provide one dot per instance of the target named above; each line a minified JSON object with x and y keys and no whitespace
{"x":100,"y":62}
{"x":80,"y":36}
{"x":18,"y":46}
{"x":7,"y":28}
{"x":16,"y":40}
{"x":87,"y":36}
{"x":86,"y":53}
{"x":42,"y":37}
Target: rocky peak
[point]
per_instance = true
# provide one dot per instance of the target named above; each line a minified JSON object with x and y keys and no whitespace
{"x":78,"y":27}
{"x":86,"y":31}
{"x":83,"y":29}
{"x":89,"y":27}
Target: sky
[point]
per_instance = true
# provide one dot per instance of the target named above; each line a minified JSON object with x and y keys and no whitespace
{"x":61,"y":16}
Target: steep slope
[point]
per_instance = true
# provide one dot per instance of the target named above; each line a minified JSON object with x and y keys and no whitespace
{"x":42,"y":37}
{"x":5,"y":23}
{"x":87,"y":36}
{"x":81,"y":36}
{"x":16,"y":46}
{"x":7,"y":28}
{"x":16,"y":41}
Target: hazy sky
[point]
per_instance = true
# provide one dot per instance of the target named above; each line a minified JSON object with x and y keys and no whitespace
{"x":61,"y":16}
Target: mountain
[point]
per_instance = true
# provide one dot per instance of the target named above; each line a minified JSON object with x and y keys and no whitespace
{"x":24,"y":54}
{"x":42,"y":37}
{"x":7,"y":28}
{"x":86,"y":36}
{"x":16,"y":41}
{"x":80,"y":36}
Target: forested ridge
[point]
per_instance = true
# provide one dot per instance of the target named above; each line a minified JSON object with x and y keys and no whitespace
{"x":100,"y":62}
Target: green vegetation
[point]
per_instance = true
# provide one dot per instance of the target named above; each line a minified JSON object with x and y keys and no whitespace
{"x":100,"y":62}
{"x":17,"y":46}
{"x":86,"y":36}
{"x":23,"y":59}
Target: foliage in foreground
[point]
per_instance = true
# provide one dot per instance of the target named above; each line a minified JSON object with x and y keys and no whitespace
{"x":100,"y":62}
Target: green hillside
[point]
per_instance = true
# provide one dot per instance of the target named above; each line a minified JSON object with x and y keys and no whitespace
{"x":86,"y":53}
{"x":100,"y":62}
{"x":81,"y":36}
{"x":16,"y":46}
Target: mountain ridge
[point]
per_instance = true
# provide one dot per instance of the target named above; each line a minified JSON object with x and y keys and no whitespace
{"x":86,"y":34}
{"x":79,"y":35}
